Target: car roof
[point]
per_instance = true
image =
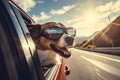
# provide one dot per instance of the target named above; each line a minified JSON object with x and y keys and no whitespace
{"x":21,"y":10}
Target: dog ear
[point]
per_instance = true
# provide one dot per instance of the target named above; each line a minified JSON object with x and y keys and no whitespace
{"x":35,"y":30}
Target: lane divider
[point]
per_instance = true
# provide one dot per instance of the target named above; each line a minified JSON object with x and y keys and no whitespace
{"x":106,"y":57}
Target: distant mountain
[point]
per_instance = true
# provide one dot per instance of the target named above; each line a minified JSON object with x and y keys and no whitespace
{"x":110,"y":36}
{"x":79,"y":40}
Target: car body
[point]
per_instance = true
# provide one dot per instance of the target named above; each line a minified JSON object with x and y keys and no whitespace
{"x":18,"y":56}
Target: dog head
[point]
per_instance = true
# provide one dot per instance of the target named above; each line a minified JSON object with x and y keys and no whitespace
{"x":53,"y":36}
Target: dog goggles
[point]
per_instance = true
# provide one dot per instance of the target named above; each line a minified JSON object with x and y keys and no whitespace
{"x":55,"y":33}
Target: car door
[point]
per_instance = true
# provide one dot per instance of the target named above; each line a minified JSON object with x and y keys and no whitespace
{"x":17,"y":59}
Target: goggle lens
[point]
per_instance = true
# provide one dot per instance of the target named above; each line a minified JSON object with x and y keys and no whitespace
{"x":53,"y":33}
{"x":71,"y":31}
{"x":56,"y":33}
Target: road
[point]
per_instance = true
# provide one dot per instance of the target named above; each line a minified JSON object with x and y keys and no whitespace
{"x":87,"y":65}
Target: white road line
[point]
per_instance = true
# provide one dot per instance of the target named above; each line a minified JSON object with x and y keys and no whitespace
{"x":102,"y":56}
{"x":105,"y":57}
{"x":103,"y":66}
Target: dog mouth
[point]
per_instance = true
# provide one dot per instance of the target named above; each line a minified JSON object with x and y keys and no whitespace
{"x":61,"y":51}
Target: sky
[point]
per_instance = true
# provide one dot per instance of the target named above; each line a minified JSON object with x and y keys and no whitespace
{"x":86,"y":16}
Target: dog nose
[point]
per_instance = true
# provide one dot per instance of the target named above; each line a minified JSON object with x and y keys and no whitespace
{"x":69,"y":40}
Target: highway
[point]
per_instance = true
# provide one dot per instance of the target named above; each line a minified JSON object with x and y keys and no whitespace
{"x":86,"y":65}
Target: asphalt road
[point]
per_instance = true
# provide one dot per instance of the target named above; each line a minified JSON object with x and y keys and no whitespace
{"x":87,"y":65}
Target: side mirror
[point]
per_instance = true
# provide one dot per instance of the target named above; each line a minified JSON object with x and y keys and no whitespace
{"x":67,"y":70}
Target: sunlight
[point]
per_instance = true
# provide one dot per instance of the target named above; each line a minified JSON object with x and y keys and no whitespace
{"x":90,"y":17}
{"x":89,"y":23}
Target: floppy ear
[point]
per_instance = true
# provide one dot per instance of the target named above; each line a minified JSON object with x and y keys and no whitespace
{"x":35,"y":30}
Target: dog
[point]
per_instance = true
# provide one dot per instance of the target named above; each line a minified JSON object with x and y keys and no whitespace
{"x":52,"y":40}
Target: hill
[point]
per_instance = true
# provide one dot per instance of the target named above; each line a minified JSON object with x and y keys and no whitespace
{"x":79,"y":40}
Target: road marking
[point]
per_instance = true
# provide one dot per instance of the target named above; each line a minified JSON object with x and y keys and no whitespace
{"x":102,"y":56}
{"x":103,"y":66}
{"x":105,"y":57}
{"x":101,"y":76}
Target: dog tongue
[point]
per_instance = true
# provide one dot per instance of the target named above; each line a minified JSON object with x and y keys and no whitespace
{"x":66,"y":52}
{"x":62,"y":51}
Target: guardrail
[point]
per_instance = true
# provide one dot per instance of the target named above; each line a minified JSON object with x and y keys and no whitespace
{"x":106,"y":50}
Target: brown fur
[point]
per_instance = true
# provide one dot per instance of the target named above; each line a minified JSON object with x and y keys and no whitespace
{"x":43,"y":44}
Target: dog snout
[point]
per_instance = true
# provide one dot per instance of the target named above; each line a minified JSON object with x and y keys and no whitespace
{"x":69,"y":40}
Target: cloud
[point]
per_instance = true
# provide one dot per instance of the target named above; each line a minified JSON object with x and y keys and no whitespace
{"x":63,"y":10}
{"x":43,"y":16}
{"x":55,"y":0}
{"x":104,"y":8}
{"x":40,"y":1}
{"x":26,"y":4}
{"x":116,"y":6}
{"x":74,"y":20}
{"x":108,"y":8}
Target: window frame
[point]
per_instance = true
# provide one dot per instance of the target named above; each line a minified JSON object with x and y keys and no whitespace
{"x":34,"y":58}
{"x":14,"y":65}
